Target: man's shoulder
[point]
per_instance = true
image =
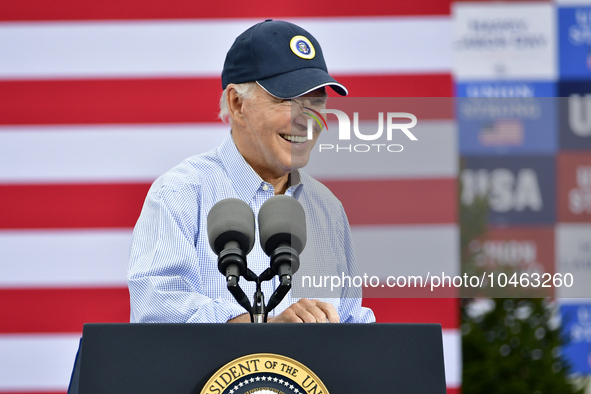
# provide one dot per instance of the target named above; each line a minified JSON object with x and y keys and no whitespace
{"x":317,"y":191}
{"x":192,"y":172}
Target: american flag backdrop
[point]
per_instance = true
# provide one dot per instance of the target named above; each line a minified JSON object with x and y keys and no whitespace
{"x":99,"y":98}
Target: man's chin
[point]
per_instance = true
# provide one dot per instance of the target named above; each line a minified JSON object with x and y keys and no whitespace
{"x":300,"y":162}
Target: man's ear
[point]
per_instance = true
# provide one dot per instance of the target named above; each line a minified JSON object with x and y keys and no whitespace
{"x":235,"y":105}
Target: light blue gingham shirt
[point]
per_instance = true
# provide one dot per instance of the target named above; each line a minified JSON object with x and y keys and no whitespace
{"x":173,"y":275}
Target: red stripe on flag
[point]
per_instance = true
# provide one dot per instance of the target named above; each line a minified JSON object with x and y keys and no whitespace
{"x":109,"y":101}
{"x":61,"y":310}
{"x":399,"y":85}
{"x":26,"y":10}
{"x":66,"y":310}
{"x":166,"y":100}
{"x":71,"y":205}
{"x":445,"y":311}
{"x":398,"y":201}
{"x":418,"y":201}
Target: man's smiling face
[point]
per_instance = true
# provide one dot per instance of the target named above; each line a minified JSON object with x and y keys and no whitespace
{"x":273,"y":139}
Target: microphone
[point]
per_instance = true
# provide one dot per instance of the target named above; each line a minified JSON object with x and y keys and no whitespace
{"x":231,"y":232}
{"x":282,"y":229}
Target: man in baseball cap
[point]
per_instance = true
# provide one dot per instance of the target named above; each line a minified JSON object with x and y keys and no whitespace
{"x":272,"y":71}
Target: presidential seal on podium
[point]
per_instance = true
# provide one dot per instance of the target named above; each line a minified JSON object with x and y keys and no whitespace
{"x":264,"y":373}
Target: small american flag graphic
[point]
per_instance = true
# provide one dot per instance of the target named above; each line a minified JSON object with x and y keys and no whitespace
{"x":501,"y":132}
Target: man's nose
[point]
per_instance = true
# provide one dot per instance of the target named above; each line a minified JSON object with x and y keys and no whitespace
{"x":299,"y":120}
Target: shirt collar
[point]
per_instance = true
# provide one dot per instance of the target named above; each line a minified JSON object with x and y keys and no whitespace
{"x":245,"y":180}
{"x":295,"y":182}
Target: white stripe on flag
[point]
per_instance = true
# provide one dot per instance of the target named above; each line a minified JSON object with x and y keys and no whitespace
{"x":73,"y":258}
{"x":368,"y":45}
{"x":139,"y":153}
{"x":407,"y":249}
{"x":37,"y":362}
{"x":53,"y":154}
{"x":452,"y":356}
{"x":64,"y":258}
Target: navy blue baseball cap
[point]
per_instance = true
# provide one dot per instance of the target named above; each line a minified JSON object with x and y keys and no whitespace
{"x":282,"y":58}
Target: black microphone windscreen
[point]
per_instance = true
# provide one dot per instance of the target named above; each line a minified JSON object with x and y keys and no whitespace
{"x":231,"y":220}
{"x":282,"y":220}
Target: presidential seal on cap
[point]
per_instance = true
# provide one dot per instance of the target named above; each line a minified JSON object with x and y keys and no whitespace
{"x":302,"y":47}
{"x":281,"y":57}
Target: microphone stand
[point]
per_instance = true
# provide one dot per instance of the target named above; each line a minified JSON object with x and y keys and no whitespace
{"x":259,"y":311}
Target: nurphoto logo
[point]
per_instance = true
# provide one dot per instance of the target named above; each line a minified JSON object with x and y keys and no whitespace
{"x":393,"y":124}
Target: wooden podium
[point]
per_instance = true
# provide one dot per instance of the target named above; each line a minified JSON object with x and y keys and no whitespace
{"x":182,"y":358}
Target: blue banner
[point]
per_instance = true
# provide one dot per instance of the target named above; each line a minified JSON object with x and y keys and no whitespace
{"x":508,"y":125}
{"x":519,"y":190}
{"x":576,"y":329}
{"x":505,"y":89}
{"x":575,"y":115}
{"x":574,"y":40}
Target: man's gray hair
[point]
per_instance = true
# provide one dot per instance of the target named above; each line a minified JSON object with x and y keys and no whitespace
{"x":243,"y":90}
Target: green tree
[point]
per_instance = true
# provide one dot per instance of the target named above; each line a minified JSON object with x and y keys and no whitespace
{"x":508,"y":345}
{"x":514,"y":347}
